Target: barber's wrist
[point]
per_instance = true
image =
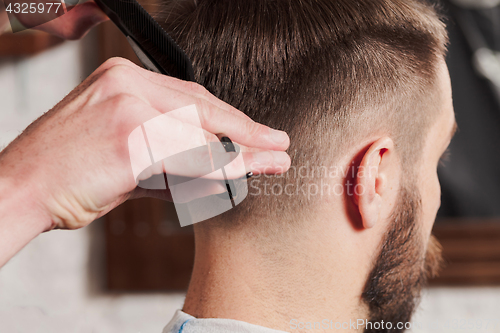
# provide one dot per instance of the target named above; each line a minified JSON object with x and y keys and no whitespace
{"x":21,"y":218}
{"x":23,"y":197}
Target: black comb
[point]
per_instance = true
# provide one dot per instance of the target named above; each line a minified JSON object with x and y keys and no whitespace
{"x":157,"y":51}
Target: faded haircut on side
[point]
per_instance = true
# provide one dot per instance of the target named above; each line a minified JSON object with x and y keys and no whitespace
{"x":328,"y":72}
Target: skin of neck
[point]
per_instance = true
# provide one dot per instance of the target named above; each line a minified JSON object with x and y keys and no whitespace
{"x":312,"y":267}
{"x":309,"y":276}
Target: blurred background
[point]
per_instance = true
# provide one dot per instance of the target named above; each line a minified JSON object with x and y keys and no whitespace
{"x":128,"y":271}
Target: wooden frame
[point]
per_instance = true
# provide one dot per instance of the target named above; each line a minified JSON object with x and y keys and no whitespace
{"x":146,"y":249}
{"x":471,"y":248}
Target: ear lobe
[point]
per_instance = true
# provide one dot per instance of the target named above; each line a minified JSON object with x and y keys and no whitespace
{"x":371,"y":180}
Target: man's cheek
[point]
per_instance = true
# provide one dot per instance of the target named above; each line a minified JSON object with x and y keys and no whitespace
{"x":431,"y":201}
{"x":436,"y":195}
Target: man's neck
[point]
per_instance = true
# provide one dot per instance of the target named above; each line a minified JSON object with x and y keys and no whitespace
{"x":275,"y":286}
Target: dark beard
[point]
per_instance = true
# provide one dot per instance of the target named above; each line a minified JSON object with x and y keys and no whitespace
{"x":402,"y":269}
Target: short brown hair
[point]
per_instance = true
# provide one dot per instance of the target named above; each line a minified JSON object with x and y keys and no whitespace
{"x":328,"y":72}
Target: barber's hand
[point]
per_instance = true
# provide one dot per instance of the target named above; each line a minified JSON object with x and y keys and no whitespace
{"x":73,"y":24}
{"x":75,"y":159}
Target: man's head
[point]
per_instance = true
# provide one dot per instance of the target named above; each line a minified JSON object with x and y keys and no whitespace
{"x":363,"y":92}
{"x":409,"y":254}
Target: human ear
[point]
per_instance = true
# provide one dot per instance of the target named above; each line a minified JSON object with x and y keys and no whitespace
{"x":375,"y":170}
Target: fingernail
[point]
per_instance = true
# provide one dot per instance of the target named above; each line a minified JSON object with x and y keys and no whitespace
{"x":278,"y":136}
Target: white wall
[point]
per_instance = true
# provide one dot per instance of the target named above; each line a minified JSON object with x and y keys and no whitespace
{"x":54,"y":284}
{"x":469,"y":310}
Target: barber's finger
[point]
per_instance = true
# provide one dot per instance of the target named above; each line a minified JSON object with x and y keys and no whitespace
{"x":189,"y":88}
{"x":261,"y":163}
{"x":216,"y":120}
{"x":170,"y":149}
{"x":119,"y":76}
{"x":212,"y":118}
{"x":244,"y":160}
{"x":76,"y":22}
{"x":186,"y":92}
{"x":240,"y":130}
{"x":177,"y":92}
{"x":199,"y":163}
{"x":202,"y":162}
{"x":185,"y":149}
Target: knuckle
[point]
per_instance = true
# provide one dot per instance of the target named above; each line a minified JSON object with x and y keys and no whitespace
{"x":124,"y":109}
{"x":196,"y":89}
{"x":119,"y":73}
{"x":123,"y":101}
{"x":205,"y":112}
{"x":120,"y":111}
{"x":115,"y":80}
{"x":253,"y":130}
{"x":121,"y":119}
{"x":116,"y":61}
